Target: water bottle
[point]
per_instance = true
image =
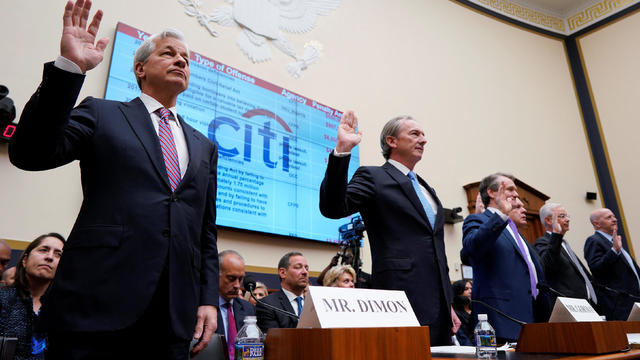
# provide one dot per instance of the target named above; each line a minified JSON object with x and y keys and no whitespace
{"x":249,"y":343}
{"x":485,"y":339}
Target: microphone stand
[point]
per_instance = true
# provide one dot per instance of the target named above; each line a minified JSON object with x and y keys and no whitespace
{"x":520,"y":322}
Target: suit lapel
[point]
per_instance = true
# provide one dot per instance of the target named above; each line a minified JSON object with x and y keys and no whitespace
{"x":138,"y":118}
{"x":195,"y":155}
{"x":409,"y":191}
{"x":286,"y":305}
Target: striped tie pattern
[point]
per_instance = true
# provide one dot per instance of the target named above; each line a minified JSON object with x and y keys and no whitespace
{"x":169,"y":152}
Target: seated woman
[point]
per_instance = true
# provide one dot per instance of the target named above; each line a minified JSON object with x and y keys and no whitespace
{"x":259,"y":292}
{"x":20,"y":303}
{"x":340,"y":276}
{"x":462,"y":307}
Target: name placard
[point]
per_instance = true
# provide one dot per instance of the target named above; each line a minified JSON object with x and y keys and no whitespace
{"x":573,"y":310}
{"x":333,"y":307}
{"x":634,"y":315}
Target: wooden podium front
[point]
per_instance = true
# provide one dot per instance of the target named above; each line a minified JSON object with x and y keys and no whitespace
{"x":401,"y":343}
{"x":573,"y":337}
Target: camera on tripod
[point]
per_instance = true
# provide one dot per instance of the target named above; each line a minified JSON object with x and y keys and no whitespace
{"x":353,"y":231}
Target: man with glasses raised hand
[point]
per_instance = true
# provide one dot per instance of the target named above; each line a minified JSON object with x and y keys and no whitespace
{"x":565,"y":272}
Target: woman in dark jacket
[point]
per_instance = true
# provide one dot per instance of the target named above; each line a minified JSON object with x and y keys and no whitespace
{"x":462,"y":306}
{"x":20,"y":303}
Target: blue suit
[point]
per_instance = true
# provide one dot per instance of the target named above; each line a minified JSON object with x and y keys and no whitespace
{"x":131,"y":228}
{"x":500,"y":273}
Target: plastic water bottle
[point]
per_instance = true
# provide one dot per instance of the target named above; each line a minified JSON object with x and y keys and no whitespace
{"x":249,"y":341}
{"x":485,"y":339}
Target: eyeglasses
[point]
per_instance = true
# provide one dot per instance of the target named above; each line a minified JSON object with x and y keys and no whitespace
{"x":563,"y":216}
{"x":4,"y":262}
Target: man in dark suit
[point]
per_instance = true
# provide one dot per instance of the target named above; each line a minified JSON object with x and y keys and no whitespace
{"x":233,"y":309}
{"x":564,"y":271}
{"x":140,"y":271}
{"x":294,"y":279}
{"x":612,"y":266}
{"x":403,"y":216}
{"x":505,"y":267}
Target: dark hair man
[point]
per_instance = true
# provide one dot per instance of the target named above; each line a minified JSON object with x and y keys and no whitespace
{"x":141,"y":266}
{"x":403,"y":216}
{"x":506,"y":269}
{"x":611,"y":266}
{"x":294,"y":279}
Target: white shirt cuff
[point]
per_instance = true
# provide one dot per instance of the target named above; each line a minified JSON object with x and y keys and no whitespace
{"x":65,"y":64}
{"x":341,"y":154}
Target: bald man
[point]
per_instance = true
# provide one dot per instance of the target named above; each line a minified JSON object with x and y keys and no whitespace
{"x":611,"y":266}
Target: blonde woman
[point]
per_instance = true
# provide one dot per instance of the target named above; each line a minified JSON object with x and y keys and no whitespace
{"x":340,"y":276}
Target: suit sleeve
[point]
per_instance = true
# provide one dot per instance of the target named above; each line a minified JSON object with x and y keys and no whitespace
{"x":267,"y":318}
{"x":208,"y":239}
{"x":50,"y":132}
{"x":598,"y":255}
{"x":339,"y":199}
{"x":549,"y":249}
{"x":479,"y":235}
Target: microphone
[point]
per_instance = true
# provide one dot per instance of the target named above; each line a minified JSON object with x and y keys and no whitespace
{"x":614,"y":291}
{"x":519,"y":322}
{"x":249,"y":283}
{"x":548,"y":289}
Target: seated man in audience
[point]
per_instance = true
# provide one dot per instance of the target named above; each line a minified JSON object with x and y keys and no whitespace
{"x":5,"y":255}
{"x":505,"y":267}
{"x":20,"y":304}
{"x":565,"y":272}
{"x":294,"y":278}
{"x":8,"y":277}
{"x":612,"y":266}
{"x":233,"y":309}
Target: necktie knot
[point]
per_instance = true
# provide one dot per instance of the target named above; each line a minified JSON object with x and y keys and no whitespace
{"x":412,"y":175}
{"x":165,"y":114}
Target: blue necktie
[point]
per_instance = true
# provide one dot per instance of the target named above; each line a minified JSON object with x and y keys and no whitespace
{"x":299,"y":301}
{"x":425,"y":203}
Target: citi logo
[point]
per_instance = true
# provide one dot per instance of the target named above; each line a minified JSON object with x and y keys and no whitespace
{"x":268,"y":136}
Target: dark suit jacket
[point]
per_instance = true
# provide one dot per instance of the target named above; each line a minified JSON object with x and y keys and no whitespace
{"x":611,"y":270}
{"x":561,"y":273}
{"x":241,"y":308}
{"x":269,"y":318}
{"x":130,"y":226}
{"x":500,"y":274}
{"x":407,"y":253}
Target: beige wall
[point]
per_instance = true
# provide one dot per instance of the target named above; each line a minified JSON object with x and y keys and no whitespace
{"x":490,"y":97}
{"x":611,"y":61}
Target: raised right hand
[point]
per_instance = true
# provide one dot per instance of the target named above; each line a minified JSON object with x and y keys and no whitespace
{"x":348,"y":134}
{"x":77,"y":42}
{"x":504,"y":203}
{"x":617,"y":239}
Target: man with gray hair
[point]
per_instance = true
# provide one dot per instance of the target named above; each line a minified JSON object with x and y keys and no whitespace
{"x":139,"y":277}
{"x":565,"y":272}
{"x":403,"y":216}
{"x":233,"y":309}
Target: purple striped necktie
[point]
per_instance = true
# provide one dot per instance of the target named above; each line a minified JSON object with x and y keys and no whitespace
{"x":169,"y":152}
{"x":521,"y":246}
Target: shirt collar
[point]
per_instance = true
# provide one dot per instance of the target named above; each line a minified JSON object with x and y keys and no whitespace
{"x":222,"y":301}
{"x":153,"y":105}
{"x":403,"y":169}
{"x":607,"y":236}
{"x":291,"y":296}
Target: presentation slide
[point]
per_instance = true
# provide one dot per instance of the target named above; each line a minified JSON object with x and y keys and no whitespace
{"x":273,"y":143}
